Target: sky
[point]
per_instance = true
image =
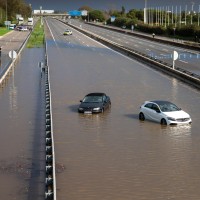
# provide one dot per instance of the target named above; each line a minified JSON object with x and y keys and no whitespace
{"x":68,"y":5}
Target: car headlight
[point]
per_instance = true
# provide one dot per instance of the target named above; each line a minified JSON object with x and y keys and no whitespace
{"x":96,"y":109}
{"x":80,"y":108}
{"x":171,"y":119}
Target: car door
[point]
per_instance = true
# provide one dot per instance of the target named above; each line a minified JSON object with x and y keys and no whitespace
{"x":155,"y":113}
{"x":106,"y":101}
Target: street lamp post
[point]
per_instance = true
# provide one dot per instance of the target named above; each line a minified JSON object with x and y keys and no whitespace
{"x":6,"y":14}
{"x":88,"y":16}
{"x":198,"y":15}
{"x":192,"y":13}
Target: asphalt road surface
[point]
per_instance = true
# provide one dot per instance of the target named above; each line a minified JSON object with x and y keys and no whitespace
{"x":113,"y":155}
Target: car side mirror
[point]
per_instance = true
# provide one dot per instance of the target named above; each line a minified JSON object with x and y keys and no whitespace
{"x":158,"y":111}
{"x":81,"y":101}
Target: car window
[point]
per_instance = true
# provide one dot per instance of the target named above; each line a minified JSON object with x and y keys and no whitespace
{"x":148,"y":105}
{"x":92,"y":99}
{"x":169,"y":107}
{"x":155,"y":107}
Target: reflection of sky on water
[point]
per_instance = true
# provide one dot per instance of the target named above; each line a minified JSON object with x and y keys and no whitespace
{"x":179,"y":131}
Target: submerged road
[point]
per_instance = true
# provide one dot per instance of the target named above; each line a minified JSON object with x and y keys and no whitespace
{"x":107,"y":156}
{"x":113,"y":155}
{"x":187,"y":59}
{"x":22,"y":129}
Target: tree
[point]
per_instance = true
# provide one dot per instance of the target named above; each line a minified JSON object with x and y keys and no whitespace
{"x":14,"y":7}
{"x":123,"y":11}
{"x":85,"y":8}
{"x":131,"y":14}
{"x":97,"y":15}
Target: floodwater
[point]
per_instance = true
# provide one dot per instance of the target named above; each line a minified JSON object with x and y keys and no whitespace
{"x":22,"y":138}
{"x":107,"y":156}
{"x":113,"y":155}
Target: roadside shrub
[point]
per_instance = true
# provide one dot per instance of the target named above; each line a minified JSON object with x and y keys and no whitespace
{"x":159,"y":30}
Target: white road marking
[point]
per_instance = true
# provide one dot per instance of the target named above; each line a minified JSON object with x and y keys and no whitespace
{"x":165,"y":50}
{"x":183,"y":61}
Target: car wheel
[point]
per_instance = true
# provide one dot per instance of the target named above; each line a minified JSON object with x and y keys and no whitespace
{"x":163,"y":122}
{"x":141,"y":116}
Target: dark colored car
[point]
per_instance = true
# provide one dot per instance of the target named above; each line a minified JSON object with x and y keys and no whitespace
{"x":94,"y":103}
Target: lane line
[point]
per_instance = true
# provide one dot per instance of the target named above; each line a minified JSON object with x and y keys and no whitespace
{"x":183,"y":61}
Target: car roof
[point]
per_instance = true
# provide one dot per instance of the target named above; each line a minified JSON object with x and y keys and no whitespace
{"x":96,"y":94}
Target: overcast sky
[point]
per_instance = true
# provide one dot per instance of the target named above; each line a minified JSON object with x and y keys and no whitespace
{"x":67,"y":5}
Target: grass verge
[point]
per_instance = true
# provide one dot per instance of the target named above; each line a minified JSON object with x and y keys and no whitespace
{"x":37,"y":36}
{"x":3,"y":31}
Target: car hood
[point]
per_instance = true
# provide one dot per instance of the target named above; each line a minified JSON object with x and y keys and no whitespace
{"x":177,"y":114}
{"x":90,"y":105}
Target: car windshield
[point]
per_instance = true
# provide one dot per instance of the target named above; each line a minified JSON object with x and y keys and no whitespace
{"x":168,"y":107}
{"x":93,"y":99}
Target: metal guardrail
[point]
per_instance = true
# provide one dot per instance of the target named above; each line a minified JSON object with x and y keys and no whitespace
{"x":181,"y":74}
{"x":50,"y":179}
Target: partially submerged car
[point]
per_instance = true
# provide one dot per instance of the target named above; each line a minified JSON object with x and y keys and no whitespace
{"x":94,"y":103}
{"x":163,"y":112}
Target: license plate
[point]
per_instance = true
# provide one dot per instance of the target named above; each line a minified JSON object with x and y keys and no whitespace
{"x":87,"y":112}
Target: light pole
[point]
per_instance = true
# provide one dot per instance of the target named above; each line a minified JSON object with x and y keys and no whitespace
{"x":6,"y":14}
{"x":192,"y":12}
{"x":88,"y":16}
{"x":198,"y":15}
{"x":145,"y":13}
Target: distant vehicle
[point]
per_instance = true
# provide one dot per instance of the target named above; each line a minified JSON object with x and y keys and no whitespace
{"x":123,"y":27}
{"x":30,"y":21}
{"x":22,"y":28}
{"x":12,"y":26}
{"x":94,"y":103}
{"x":20,"y":20}
{"x":67,"y":32}
{"x":163,"y":112}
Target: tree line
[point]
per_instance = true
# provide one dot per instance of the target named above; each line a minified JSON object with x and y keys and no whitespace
{"x":135,"y":18}
{"x":10,"y":8}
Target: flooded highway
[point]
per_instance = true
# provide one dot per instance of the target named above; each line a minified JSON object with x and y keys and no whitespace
{"x":105,"y":156}
{"x":22,"y":128}
{"x":113,"y":155}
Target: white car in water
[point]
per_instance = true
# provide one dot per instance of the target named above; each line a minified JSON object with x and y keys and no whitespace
{"x":163,"y":112}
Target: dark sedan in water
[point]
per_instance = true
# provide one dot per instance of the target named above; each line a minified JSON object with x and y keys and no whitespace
{"x":94,"y":103}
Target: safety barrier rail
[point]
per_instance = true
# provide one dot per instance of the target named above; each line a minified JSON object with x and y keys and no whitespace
{"x":50,"y":179}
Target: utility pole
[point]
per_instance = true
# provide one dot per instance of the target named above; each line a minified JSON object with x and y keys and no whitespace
{"x":192,"y":12}
{"x":6,"y":14}
{"x":198,"y":15}
{"x":145,"y":13}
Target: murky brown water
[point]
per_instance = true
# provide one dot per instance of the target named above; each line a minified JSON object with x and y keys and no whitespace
{"x":108,"y":156}
{"x":114,"y":155}
{"x":22,"y":130}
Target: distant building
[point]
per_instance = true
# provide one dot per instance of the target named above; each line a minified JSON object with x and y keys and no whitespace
{"x":43,"y":11}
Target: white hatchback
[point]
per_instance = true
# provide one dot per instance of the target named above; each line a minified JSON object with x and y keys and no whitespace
{"x":163,"y":112}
